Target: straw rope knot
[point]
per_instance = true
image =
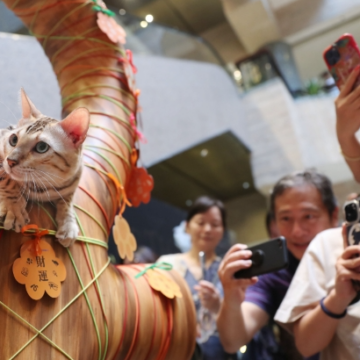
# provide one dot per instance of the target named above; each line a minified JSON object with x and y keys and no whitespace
{"x":158,"y":265}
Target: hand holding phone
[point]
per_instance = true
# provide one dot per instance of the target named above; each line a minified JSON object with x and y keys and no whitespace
{"x":341,"y":59}
{"x":352,"y":218}
{"x":266,"y":257}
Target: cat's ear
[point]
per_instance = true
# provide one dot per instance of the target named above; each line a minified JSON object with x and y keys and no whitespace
{"x":29,"y":111}
{"x":76,"y":125}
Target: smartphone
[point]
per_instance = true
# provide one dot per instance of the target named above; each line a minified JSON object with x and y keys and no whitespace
{"x":266,"y":257}
{"x":352,"y":218}
{"x":341,"y":58}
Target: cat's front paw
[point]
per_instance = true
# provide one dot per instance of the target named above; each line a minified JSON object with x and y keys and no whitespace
{"x":14,"y":215}
{"x":67,"y":233}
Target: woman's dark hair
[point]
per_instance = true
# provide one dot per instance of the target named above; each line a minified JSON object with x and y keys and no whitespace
{"x":308,"y":177}
{"x":203,"y":204}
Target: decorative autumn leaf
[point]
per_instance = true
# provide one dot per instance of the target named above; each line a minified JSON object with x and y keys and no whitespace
{"x":140,"y":186}
{"x":111,"y":28}
{"x":159,"y":281}
{"x":124,"y":239}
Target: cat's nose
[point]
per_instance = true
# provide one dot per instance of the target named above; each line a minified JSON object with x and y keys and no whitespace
{"x":12,"y":163}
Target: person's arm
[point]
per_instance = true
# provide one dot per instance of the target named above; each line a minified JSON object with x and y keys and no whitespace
{"x":238,"y":321}
{"x":237,"y":325}
{"x":314,"y":331}
{"x":347,"y":107}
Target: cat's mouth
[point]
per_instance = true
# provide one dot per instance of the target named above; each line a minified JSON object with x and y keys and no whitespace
{"x":14,"y":172}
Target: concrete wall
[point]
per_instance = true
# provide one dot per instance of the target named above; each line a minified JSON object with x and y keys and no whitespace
{"x":23,"y":64}
{"x":183,"y":103}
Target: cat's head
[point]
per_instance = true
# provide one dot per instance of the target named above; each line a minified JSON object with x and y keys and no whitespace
{"x":43,"y":150}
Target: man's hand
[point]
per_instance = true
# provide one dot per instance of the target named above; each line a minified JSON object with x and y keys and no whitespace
{"x":347,"y":107}
{"x":237,"y":258}
{"x":347,"y":269}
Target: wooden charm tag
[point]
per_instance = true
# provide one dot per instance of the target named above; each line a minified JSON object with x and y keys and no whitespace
{"x":39,"y":272}
{"x":124,"y":239}
{"x":161,"y":282}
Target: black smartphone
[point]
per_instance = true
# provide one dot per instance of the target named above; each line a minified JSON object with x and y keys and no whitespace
{"x":352,"y":218}
{"x":266,"y":257}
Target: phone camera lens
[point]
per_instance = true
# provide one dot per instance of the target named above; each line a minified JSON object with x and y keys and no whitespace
{"x":257,"y":258}
{"x":332,"y":56}
{"x":280,"y":244}
{"x":351,"y":212}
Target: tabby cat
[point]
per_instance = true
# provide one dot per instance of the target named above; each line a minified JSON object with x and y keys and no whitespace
{"x":41,"y":161}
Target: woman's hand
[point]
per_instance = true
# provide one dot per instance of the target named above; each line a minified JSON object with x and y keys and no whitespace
{"x":347,"y":269}
{"x":209,"y":296}
{"x":237,"y":258}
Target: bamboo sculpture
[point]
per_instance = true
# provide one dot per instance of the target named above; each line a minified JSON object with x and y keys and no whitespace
{"x":103,"y":312}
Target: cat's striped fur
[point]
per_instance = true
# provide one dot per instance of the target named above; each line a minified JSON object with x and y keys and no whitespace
{"x":42,"y":162}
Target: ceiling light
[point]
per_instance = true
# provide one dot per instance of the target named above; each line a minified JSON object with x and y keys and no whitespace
{"x":188,"y":202}
{"x":143,"y":24}
{"x":243,"y":349}
{"x":245,"y":185}
{"x":149,"y":18}
{"x":204,"y":152}
{"x":122,"y":11}
{"x":237,"y":75}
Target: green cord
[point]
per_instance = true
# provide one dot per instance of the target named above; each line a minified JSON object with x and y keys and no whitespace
{"x":117,"y":103}
{"x":94,"y":70}
{"x":60,"y":22}
{"x":85,"y":239}
{"x":110,"y":163}
{"x":113,"y":132}
{"x":88,"y":147}
{"x":97,"y":286}
{"x":158,"y":265}
{"x":92,"y":217}
{"x":39,"y":332}
{"x":88,"y":303}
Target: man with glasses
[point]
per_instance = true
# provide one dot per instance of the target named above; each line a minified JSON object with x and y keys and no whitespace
{"x":302,"y":205}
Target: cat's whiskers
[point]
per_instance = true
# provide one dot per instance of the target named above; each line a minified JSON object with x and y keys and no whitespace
{"x":56,"y":191}
{"x":22,"y":192}
{"x":45,"y":172}
{"x":24,"y":187}
{"x":43,"y":186}
{"x":31,"y":202}
{"x":54,"y":181}
{"x":54,"y":188}
{"x":37,"y":200}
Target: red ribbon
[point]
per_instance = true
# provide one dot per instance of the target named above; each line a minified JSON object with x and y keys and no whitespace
{"x":130,"y":57}
{"x":36,"y":235}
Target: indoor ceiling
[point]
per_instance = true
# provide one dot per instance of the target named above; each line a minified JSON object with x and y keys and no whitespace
{"x":219,"y":167}
{"x":191,"y":16}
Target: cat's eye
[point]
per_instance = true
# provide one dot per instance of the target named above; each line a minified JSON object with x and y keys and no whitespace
{"x":41,"y":147}
{"x":13,"y":139}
